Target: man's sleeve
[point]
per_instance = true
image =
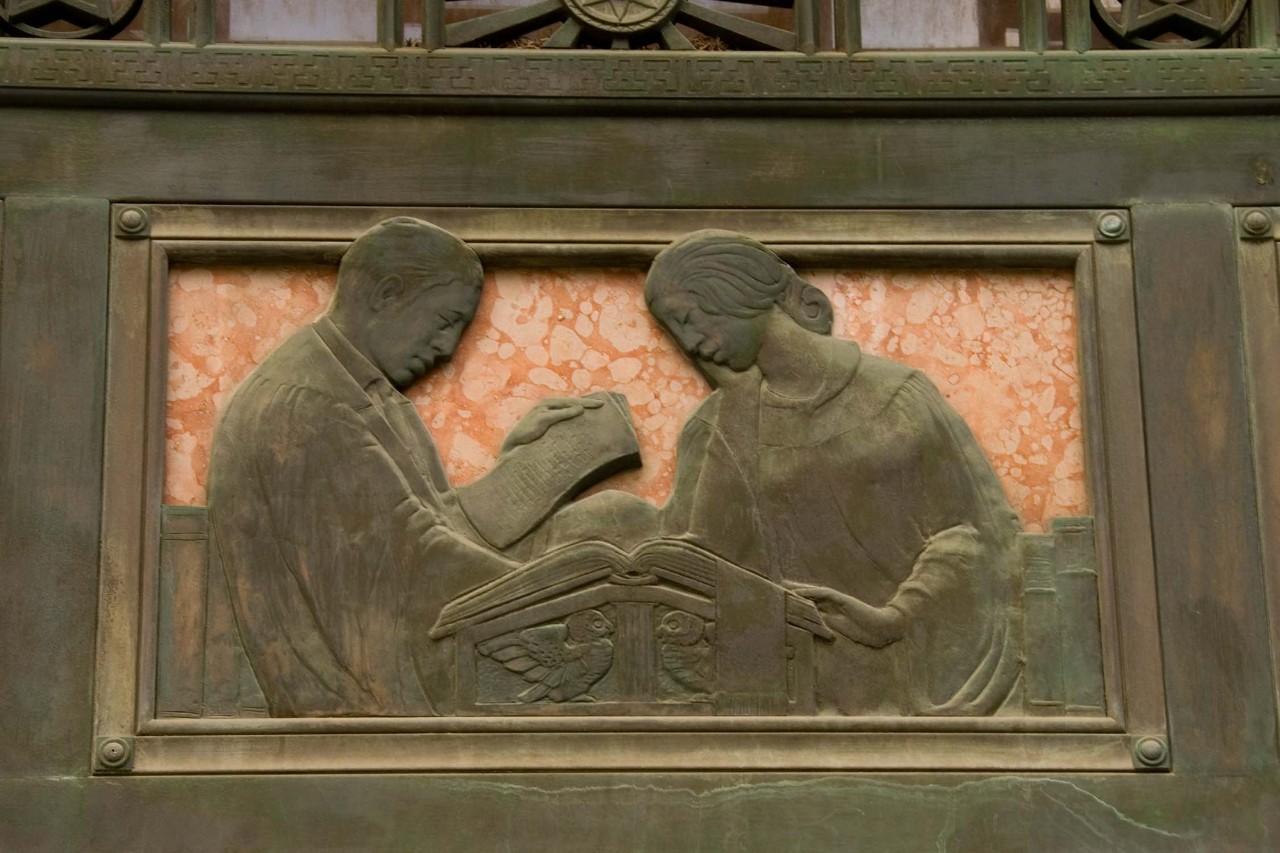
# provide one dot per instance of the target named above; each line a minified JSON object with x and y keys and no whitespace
{"x":359,"y":510}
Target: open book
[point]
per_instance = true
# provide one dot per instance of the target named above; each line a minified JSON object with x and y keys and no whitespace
{"x":673,"y":561}
{"x":531,"y":481}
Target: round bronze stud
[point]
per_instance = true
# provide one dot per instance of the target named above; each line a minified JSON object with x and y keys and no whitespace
{"x":1256,"y":223}
{"x":1112,"y":226}
{"x":132,"y":220}
{"x":1151,"y":751}
{"x":113,"y":753}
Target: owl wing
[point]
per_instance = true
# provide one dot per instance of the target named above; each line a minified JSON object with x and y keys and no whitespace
{"x":597,"y":660}
{"x":689,"y":666}
{"x":537,"y":654}
{"x":590,"y":662}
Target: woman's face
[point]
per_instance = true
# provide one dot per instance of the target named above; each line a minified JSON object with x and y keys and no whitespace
{"x":707,"y":338}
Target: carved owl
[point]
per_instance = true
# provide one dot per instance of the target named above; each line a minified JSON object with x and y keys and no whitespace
{"x":685,"y":650}
{"x":562,"y":660}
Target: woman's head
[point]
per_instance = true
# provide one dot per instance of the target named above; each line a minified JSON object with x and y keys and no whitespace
{"x":712,"y":290}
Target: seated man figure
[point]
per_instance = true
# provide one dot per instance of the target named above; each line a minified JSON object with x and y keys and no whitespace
{"x":338,"y":532}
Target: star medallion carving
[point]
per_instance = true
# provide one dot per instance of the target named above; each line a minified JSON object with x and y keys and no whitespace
{"x":621,"y":16}
{"x":66,"y":18}
{"x":622,"y":10}
{"x":1150,"y":23}
{"x":38,"y":13}
{"x":1152,"y":18}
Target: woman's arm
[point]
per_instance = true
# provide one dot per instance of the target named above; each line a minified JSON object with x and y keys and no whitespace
{"x":863,"y":623}
{"x":947,"y":556}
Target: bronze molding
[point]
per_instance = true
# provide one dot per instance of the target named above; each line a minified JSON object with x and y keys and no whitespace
{"x":451,"y":75}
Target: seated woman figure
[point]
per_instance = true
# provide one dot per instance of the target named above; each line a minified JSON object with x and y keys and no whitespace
{"x":845,"y":476}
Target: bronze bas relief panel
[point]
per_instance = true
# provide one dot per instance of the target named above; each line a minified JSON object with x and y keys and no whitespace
{"x":836,"y":553}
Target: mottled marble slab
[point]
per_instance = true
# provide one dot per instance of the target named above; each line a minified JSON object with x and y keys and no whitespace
{"x":999,"y":344}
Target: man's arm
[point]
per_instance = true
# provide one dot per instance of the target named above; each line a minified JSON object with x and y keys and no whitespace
{"x":558,"y":449}
{"x":364,"y":515}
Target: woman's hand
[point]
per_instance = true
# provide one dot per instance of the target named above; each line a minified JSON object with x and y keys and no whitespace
{"x":861,"y":622}
{"x":545,"y":415}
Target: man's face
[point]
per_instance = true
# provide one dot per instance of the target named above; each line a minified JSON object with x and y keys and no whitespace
{"x":420,"y":328}
{"x":711,"y":340}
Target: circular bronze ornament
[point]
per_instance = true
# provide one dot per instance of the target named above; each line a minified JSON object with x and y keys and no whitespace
{"x":114,"y":753}
{"x":622,"y":16}
{"x":1142,"y":23}
{"x":1256,"y":223}
{"x":1151,"y":751}
{"x":1112,"y":226}
{"x":132,"y":221}
{"x":80,"y":19}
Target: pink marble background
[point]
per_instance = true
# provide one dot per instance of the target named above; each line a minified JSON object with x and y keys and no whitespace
{"x":1001,"y":346}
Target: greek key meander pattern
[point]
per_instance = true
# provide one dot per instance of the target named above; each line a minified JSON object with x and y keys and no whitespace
{"x":733,"y":76}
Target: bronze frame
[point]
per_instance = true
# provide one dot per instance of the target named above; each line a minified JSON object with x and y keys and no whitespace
{"x":1259,"y":276}
{"x":148,"y":238}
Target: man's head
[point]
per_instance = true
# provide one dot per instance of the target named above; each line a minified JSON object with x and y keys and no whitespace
{"x":406,"y":291}
{"x":713,"y":290}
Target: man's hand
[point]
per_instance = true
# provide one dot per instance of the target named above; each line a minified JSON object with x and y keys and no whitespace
{"x":545,"y":415}
{"x":861,"y":622}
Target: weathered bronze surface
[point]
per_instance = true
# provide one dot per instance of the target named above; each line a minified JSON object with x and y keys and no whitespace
{"x":364,"y":585}
{"x":260,"y":154}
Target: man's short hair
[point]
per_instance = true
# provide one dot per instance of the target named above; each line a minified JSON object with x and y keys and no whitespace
{"x":406,"y":247}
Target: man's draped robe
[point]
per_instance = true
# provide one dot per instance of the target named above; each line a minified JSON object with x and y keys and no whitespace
{"x":338,"y":534}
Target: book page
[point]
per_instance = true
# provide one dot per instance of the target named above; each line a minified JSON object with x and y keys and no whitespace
{"x":531,"y":481}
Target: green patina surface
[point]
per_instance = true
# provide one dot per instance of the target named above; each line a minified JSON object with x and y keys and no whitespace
{"x":85,"y":125}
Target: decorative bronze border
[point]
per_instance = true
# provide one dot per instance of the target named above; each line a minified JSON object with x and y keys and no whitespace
{"x":1092,"y":243}
{"x":1007,"y":77}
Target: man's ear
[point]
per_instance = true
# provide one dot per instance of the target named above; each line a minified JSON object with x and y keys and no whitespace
{"x":387,"y":290}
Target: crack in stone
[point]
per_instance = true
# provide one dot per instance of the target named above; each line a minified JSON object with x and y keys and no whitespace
{"x":720,"y":795}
